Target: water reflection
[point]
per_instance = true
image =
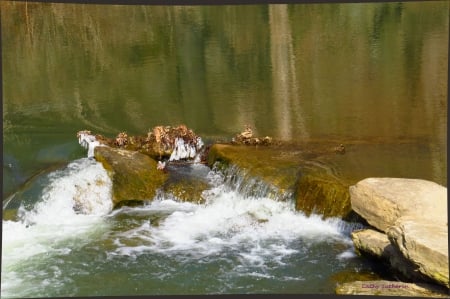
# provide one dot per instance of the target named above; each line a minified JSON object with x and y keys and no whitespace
{"x":360,"y":71}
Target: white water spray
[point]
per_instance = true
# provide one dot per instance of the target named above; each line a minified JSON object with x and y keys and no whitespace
{"x":88,"y":141}
{"x":258,"y":229}
{"x":73,"y":205}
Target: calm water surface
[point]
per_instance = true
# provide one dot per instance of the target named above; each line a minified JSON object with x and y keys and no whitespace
{"x":373,"y":76}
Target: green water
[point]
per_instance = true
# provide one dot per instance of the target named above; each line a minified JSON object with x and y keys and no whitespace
{"x":371,"y":75}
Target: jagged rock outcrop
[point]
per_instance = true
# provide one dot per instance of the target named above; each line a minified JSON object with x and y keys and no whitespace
{"x":161,"y":142}
{"x":186,"y":182}
{"x":134,"y":175}
{"x":412,"y":217}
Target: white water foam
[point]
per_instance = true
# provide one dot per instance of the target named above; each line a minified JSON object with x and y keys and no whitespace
{"x":256,"y":228}
{"x":73,"y":204}
{"x":89,"y":142}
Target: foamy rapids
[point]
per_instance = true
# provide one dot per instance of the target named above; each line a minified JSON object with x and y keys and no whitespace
{"x":75,"y":208}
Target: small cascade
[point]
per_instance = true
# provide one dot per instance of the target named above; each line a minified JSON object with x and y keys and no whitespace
{"x":72,"y":205}
{"x":183,"y":150}
{"x":88,"y":141}
{"x":82,"y":188}
{"x":247,"y":185}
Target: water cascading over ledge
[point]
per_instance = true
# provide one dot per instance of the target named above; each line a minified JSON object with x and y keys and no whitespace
{"x":284,"y":172}
{"x":276,"y":171}
{"x":243,"y":182}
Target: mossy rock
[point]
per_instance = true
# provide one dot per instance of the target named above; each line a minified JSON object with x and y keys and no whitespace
{"x":275,"y":166}
{"x":299,"y":170}
{"x":10,"y":214}
{"x":189,"y":190}
{"x":322,"y":193}
{"x":186,"y":182}
{"x":134,"y":175}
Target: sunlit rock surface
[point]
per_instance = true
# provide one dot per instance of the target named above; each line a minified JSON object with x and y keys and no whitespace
{"x":162,"y":142}
{"x":186,"y":182}
{"x":425,"y":244}
{"x":381,"y":201}
{"x":412,"y":214}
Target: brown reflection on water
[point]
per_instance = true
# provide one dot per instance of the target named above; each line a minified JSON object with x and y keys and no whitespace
{"x":359,"y":72}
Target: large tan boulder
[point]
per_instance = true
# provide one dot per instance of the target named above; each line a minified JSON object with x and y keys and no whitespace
{"x":413,"y":213}
{"x":425,"y":244}
{"x":376,"y":244}
{"x":381,"y":201}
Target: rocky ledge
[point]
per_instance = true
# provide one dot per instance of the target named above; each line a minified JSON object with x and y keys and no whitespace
{"x":290,"y":172}
{"x":409,"y":227}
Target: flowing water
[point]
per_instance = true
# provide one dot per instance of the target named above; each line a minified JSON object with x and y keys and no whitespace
{"x":373,"y":76}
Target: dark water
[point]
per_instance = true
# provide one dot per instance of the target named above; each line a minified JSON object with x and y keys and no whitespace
{"x":373,"y":76}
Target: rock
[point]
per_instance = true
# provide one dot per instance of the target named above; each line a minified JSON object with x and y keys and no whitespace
{"x":291,"y":173}
{"x":322,"y":193}
{"x":425,"y":244}
{"x":390,"y":288}
{"x":134,"y":175}
{"x":369,"y":241}
{"x":381,"y":201}
{"x":187,"y":183}
{"x":374,"y":244}
{"x":413,"y":213}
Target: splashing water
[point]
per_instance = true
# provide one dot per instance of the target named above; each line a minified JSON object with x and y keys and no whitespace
{"x":89,"y":142}
{"x":72,"y":233}
{"x":73,"y":204}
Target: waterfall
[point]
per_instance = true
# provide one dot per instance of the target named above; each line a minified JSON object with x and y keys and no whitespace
{"x":247,"y":185}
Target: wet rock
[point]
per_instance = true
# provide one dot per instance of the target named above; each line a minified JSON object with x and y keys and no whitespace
{"x":322,"y":193}
{"x":291,"y":171}
{"x":189,"y":189}
{"x":246,"y":138}
{"x":186,"y":182}
{"x":134,"y":175}
{"x":390,"y":288}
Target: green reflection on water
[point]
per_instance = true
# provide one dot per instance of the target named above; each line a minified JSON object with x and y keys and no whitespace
{"x":370,"y":75}
{"x":297,"y":71}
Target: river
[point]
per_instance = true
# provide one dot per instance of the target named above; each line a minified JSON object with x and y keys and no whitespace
{"x":370,"y":75}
